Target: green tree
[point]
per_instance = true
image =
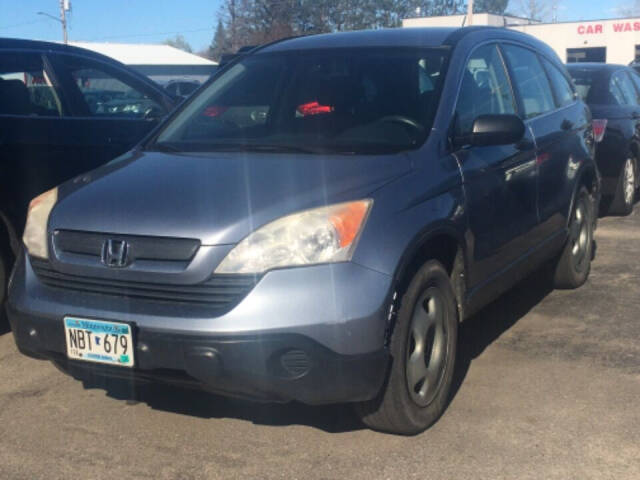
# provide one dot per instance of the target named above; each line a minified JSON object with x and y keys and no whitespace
{"x":179,"y":42}
{"x":220,"y":43}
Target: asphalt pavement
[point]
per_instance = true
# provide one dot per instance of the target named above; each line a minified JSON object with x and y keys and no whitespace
{"x":548,"y":387}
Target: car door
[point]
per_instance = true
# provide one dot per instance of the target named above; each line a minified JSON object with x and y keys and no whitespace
{"x":562,"y":136}
{"x":112,"y":109}
{"x":500,"y":181}
{"x":551,"y":128}
{"x":33,"y":141}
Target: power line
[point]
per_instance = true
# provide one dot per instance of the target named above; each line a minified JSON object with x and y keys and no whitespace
{"x":22,"y":24}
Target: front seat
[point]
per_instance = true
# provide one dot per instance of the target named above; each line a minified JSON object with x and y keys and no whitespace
{"x":15,"y":98}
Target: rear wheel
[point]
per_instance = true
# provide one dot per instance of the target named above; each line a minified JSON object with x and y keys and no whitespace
{"x":625,"y":195}
{"x":574,"y":264}
{"x":423,"y":350}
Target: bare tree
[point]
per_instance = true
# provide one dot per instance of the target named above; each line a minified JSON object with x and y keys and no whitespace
{"x":629,"y":9}
{"x":252,"y":22}
{"x":535,"y":9}
{"x":179,"y":42}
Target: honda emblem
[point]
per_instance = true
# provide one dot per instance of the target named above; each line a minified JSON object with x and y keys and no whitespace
{"x":115,"y":253}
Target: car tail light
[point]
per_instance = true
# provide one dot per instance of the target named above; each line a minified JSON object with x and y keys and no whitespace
{"x":599,"y":128}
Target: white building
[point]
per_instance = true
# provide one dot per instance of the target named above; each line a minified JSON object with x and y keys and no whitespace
{"x":611,"y":41}
{"x":159,"y":62}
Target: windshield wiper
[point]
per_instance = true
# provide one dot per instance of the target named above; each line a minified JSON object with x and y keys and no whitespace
{"x":162,"y":147}
{"x":267,"y":147}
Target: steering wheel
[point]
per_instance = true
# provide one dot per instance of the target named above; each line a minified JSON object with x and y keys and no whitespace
{"x":152,"y":113}
{"x":403,"y":120}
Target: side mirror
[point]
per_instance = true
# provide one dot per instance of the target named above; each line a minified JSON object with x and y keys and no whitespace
{"x":495,"y":130}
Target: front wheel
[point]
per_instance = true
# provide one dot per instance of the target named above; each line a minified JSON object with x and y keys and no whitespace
{"x":423,"y":351}
{"x":574,"y":264}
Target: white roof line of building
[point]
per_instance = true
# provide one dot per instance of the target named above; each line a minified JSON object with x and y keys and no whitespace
{"x":144,"y":53}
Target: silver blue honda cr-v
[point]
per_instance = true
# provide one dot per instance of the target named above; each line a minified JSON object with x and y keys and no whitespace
{"x":313,"y":224}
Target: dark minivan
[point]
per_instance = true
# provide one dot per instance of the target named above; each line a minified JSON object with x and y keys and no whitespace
{"x":613,"y":95}
{"x":63,"y":111}
{"x":313,"y":224}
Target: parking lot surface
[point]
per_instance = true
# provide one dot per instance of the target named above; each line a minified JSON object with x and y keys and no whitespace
{"x":548,"y":386}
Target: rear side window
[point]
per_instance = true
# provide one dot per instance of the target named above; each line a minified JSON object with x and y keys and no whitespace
{"x":485,"y":89}
{"x":629,"y":96}
{"x":584,"y":80}
{"x":635,"y":78}
{"x":530,"y":80}
{"x":616,"y":92}
{"x":561,"y":86}
{"x":25,"y":87}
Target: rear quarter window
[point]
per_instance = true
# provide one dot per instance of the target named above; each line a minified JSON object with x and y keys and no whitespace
{"x":562,"y":88}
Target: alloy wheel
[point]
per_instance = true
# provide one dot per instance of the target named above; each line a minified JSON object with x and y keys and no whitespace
{"x":629,"y":180}
{"x":580,"y":235}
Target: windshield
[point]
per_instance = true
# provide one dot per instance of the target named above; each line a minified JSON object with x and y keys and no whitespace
{"x":342,"y":101}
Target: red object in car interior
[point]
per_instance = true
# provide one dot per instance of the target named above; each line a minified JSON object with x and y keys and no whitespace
{"x":214,"y":111}
{"x":314,"y":108}
{"x":599,"y":128}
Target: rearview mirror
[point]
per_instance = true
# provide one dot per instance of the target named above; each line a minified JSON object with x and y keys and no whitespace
{"x":496,"y":130}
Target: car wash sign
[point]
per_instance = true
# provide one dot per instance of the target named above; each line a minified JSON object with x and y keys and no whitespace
{"x":621,"y":26}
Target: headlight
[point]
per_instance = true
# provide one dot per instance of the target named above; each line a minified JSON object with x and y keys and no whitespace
{"x":35,"y":232}
{"x":322,"y":235}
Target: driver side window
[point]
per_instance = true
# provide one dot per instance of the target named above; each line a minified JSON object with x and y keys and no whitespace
{"x":485,"y":89}
{"x":108,"y":94}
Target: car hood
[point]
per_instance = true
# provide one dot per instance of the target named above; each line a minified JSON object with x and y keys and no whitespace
{"x":216,"y":198}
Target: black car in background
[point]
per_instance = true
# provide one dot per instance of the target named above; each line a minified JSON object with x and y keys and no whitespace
{"x":63,"y":111}
{"x":613,"y":94}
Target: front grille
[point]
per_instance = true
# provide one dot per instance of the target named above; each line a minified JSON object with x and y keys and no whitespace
{"x":223,"y":292}
{"x":90,"y":245}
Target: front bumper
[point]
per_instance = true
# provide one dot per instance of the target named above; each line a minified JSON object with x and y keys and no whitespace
{"x":314,"y":335}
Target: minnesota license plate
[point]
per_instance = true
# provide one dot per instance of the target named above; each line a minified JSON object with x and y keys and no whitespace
{"x":99,"y":341}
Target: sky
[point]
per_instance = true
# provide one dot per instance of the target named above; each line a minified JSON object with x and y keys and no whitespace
{"x":153,"y":21}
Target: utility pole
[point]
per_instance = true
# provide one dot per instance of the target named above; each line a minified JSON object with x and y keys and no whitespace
{"x":65,"y":6}
{"x":469,"y":12}
{"x":63,"y":21}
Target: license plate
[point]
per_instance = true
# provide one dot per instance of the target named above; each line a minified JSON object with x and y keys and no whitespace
{"x":99,"y":341}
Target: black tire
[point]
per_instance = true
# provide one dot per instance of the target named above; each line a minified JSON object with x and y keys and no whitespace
{"x":3,"y":282}
{"x":624,"y":197}
{"x":426,"y":328}
{"x":574,"y":265}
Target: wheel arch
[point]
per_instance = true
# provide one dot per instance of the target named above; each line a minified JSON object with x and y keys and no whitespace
{"x":589,"y":178}
{"x":9,"y":241}
{"x":445,"y":243}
